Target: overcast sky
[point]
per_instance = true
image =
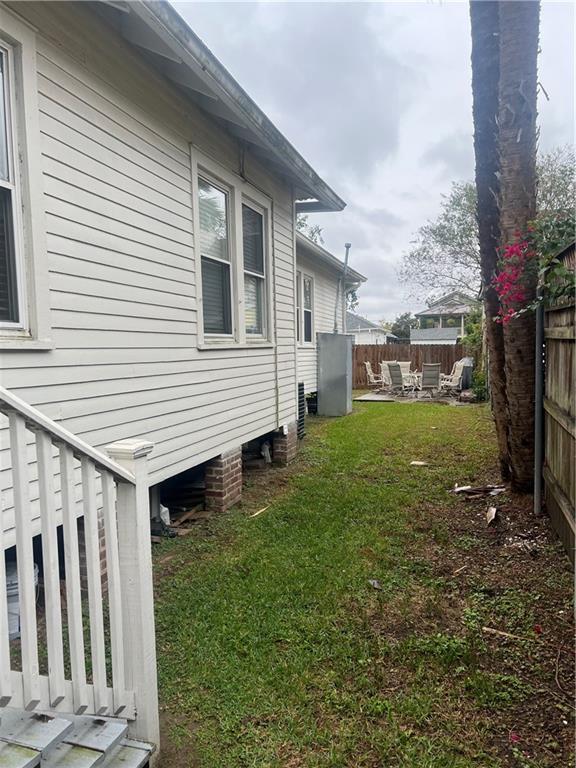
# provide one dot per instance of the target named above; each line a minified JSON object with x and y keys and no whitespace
{"x":377,"y":98}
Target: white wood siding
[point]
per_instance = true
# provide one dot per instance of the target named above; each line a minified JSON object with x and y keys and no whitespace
{"x":116,"y":165}
{"x":324,"y":302}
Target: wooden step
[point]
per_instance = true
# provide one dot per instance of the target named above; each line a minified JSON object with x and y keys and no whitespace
{"x":70,"y":756}
{"x":32,"y":730}
{"x":13,"y":756}
{"x":100,"y":734}
{"x":130,"y":754}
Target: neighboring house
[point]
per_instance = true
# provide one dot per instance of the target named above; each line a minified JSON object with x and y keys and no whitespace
{"x":321,"y":290}
{"x":367,"y":332}
{"x":444,"y":320}
{"x":148,"y":292}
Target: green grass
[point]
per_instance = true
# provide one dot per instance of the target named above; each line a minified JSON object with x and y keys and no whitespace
{"x":275,"y":651}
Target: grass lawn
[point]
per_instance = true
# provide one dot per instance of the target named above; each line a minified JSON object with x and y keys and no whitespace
{"x":275,"y":650}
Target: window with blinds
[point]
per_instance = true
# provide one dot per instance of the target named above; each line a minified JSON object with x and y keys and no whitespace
{"x":213,"y":206}
{"x":254,"y":270}
{"x":9,"y":309}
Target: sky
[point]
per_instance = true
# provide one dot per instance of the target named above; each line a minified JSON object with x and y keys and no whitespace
{"x":377,"y":98}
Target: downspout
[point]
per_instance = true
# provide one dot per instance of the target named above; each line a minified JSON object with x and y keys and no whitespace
{"x":341,"y":284}
{"x":539,"y":407}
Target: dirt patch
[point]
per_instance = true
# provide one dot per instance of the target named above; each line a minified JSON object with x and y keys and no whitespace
{"x":514,"y":579}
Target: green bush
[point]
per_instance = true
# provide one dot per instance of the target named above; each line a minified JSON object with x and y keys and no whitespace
{"x":479,"y":386}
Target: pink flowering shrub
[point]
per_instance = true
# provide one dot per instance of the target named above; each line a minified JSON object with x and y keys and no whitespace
{"x":516,"y":268}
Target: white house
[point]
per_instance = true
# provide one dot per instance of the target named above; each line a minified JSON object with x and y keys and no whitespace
{"x":367,"y":332}
{"x":148,"y":299}
{"x":321,"y":289}
{"x":443,"y":321}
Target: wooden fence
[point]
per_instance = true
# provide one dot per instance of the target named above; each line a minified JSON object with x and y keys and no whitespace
{"x":445,"y":354}
{"x":560,"y":416}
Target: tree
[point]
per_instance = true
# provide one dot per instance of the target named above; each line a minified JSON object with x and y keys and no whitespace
{"x":484,"y":17}
{"x":445,"y":255}
{"x":312,"y":231}
{"x":519,"y":30}
{"x":402,"y":325}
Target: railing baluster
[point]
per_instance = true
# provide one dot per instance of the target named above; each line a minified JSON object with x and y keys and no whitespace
{"x":114,"y":591}
{"x":73,"y":593}
{"x":94,"y":586}
{"x":25,"y":563}
{"x":51,"y":568}
{"x":5,"y":683}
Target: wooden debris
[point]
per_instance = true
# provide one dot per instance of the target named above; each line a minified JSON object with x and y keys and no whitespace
{"x":458,"y":570}
{"x":492,"y":516}
{"x":188,"y":515}
{"x":477,"y":492}
{"x":260,"y":511}
{"x":500,"y":633}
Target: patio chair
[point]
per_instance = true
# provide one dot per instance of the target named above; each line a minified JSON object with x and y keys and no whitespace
{"x":373,"y":380}
{"x":399,"y":383}
{"x":409,"y":376}
{"x":452,"y":382}
{"x":385,"y":373}
{"x":430,"y":381}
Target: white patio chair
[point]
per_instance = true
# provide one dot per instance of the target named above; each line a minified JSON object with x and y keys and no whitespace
{"x":373,"y":380}
{"x":430,"y":381}
{"x":385,"y":373}
{"x":409,"y":376}
{"x":452,"y":382}
{"x":399,"y":383}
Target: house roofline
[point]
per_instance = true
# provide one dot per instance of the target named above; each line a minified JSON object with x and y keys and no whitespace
{"x":170,"y":27}
{"x":316,"y":251}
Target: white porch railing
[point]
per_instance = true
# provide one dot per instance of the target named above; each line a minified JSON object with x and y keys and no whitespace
{"x":93,"y":652}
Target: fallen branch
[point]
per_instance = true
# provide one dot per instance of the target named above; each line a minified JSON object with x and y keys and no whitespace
{"x":500,"y":633}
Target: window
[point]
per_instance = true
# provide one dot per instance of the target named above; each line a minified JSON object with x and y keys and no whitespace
{"x":11,"y":277}
{"x":233,"y":252}
{"x":24,"y":300}
{"x":213,"y":208}
{"x":254,"y":270}
{"x":307,"y":288}
{"x":304,"y":308}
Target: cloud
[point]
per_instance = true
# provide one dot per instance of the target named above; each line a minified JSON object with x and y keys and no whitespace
{"x":453,"y":155}
{"x":377,"y":97}
{"x":322,"y":74}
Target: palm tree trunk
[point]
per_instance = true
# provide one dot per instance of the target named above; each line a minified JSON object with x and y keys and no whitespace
{"x":484,"y":17}
{"x":519,"y":26}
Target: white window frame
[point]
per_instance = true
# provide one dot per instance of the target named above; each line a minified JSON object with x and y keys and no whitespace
{"x":239,"y":192}
{"x":32,"y":331}
{"x":300,"y":277}
{"x":229,"y":192}
{"x":265,"y":277}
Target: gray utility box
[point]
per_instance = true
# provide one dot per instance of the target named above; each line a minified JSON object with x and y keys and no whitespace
{"x":334,"y":374}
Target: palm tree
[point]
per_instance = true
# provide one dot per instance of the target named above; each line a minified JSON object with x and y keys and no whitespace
{"x":485,"y":20}
{"x":518,"y":36}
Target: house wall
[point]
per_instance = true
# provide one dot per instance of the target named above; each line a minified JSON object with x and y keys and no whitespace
{"x":370,"y":336}
{"x":116,"y":167}
{"x":325,"y":290}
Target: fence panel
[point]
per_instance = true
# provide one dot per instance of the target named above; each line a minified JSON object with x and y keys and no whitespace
{"x":560,"y":417}
{"x":445,"y":354}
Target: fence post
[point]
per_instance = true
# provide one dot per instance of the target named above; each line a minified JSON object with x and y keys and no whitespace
{"x":133,"y":515}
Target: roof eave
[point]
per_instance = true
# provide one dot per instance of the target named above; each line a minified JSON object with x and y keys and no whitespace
{"x":314,"y":250}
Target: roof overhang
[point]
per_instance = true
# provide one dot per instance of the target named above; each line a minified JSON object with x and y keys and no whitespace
{"x":306,"y":247}
{"x":160,"y":33}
